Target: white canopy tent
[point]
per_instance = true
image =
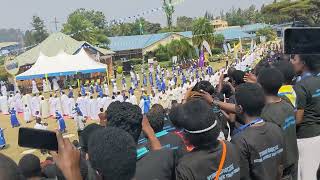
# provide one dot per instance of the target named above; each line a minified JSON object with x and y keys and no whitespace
{"x":62,"y":65}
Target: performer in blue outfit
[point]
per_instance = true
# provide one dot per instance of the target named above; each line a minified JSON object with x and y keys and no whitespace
{"x":146,"y":105}
{"x":163,"y":86}
{"x":2,"y":139}
{"x":13,"y":118}
{"x":145,"y":82}
{"x":83,"y":91}
{"x":61,"y":123}
{"x":150,"y":79}
{"x":184,"y":79}
{"x":70,"y":94}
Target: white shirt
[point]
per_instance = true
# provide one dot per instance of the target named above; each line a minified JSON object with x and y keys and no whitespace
{"x":40,"y":126}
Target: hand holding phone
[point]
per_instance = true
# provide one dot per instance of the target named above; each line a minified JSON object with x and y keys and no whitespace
{"x":37,"y":139}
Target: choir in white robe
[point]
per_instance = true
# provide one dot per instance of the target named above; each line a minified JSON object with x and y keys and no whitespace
{"x":4,"y":105}
{"x":4,"y":90}
{"x":18,"y":103}
{"x":35,"y":105}
{"x":34,"y":87}
{"x":27,"y":114}
{"x":86,"y":112}
{"x":119,"y":98}
{"x":44,"y":109}
{"x":93,"y":104}
{"x":81,"y":104}
{"x":45,"y":85}
{"x":26,"y":100}
{"x":71,"y":105}
{"x":107,"y":103}
{"x":64,"y":104}
{"x":133,"y":100}
{"x":106,"y":89}
{"x":58,"y":106}
{"x":100,"y":102}
{"x":11,"y":102}
{"x":52,"y":106}
{"x":55,"y":84}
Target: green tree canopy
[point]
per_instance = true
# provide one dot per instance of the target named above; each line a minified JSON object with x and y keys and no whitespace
{"x":184,"y":23}
{"x":87,"y":26}
{"x":37,"y":34}
{"x":180,"y":48}
{"x":268,"y":32}
{"x":202,"y":30}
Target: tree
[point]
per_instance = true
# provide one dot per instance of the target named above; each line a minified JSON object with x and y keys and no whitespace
{"x":202,"y":30}
{"x":169,"y":10}
{"x":180,"y":48}
{"x":11,"y":35}
{"x":87,"y":26}
{"x":139,"y":26}
{"x":37,"y":34}
{"x":184,"y":23}
{"x":268,"y":32}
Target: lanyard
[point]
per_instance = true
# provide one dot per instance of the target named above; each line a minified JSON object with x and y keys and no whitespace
{"x":243,"y":127}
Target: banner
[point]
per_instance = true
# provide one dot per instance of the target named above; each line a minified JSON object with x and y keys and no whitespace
{"x":201,"y":59}
{"x":225,"y":48}
{"x":229,"y":47}
{"x":206,"y":45}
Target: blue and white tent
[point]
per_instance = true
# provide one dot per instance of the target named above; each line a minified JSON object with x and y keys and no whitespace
{"x":62,"y":65}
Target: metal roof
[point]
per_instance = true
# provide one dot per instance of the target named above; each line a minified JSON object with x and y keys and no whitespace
{"x":51,"y":46}
{"x":121,"y":43}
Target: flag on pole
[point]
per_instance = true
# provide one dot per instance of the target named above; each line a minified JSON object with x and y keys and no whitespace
{"x":206,"y":45}
{"x":201,"y":59}
{"x":141,"y":28}
{"x":251,"y":46}
{"x":225,"y":48}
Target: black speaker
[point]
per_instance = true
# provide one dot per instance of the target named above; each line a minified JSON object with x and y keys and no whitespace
{"x":126,"y":66}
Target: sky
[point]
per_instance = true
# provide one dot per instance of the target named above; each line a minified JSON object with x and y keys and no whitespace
{"x":18,"y":13}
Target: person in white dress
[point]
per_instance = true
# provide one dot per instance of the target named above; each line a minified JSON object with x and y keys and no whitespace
{"x":4,"y":90}
{"x":133,"y":99}
{"x":11,"y":102}
{"x":27,"y":114}
{"x":100,"y":102}
{"x":86,"y":105}
{"x":119,"y":97}
{"x":107,"y":103}
{"x":35,"y":104}
{"x":26,"y":100}
{"x":4,"y":105}
{"x":55,"y":84}
{"x":106,"y":88}
{"x":34,"y":87}
{"x":64,"y":104}
{"x":44,"y":108}
{"x":58,"y":107}
{"x":52,"y":106}
{"x":45,"y":85}
{"x":71,"y":104}
{"x":93,"y":104}
{"x":18,"y":102}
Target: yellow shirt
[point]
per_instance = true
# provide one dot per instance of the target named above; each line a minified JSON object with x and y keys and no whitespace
{"x":288,"y":91}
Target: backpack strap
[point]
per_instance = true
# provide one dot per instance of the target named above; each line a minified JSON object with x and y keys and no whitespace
{"x":222,"y":160}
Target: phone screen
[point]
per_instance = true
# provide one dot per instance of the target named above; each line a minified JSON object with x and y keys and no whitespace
{"x":302,"y":40}
{"x":37,"y":139}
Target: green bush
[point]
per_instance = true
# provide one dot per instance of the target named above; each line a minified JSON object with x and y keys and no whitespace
{"x":135,"y":61}
{"x":216,"y":50}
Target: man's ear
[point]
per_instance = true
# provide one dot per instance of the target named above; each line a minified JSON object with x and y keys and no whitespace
{"x":239,"y":109}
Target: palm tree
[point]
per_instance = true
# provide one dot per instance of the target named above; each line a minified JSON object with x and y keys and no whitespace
{"x":169,"y":10}
{"x":202,"y":30}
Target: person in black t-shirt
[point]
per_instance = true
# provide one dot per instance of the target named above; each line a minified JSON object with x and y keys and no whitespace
{"x":202,"y":129}
{"x":307,"y":89}
{"x":156,"y":116}
{"x":260,"y":143}
{"x":281,"y":113}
